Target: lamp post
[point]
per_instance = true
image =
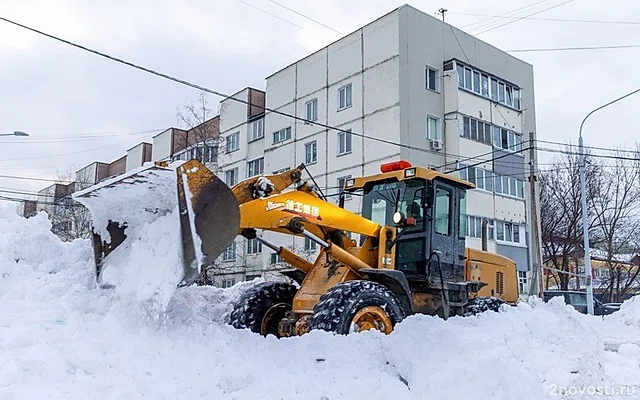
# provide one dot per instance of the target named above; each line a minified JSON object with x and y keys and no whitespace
{"x":16,"y":133}
{"x":583,"y":195}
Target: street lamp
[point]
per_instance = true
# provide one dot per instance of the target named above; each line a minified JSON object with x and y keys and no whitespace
{"x":583,"y":195}
{"x":16,"y":133}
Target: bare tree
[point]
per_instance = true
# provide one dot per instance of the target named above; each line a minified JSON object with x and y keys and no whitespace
{"x":561,"y":214}
{"x":617,"y":216}
{"x":201,"y":132}
{"x":70,"y":220}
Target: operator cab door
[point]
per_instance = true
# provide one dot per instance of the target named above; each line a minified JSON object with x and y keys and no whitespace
{"x":446,"y":238}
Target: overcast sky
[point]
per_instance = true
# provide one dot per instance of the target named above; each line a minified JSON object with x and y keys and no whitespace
{"x":66,"y":98}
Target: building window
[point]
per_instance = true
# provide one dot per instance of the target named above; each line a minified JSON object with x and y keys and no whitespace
{"x":506,"y":139}
{"x":508,"y":232}
{"x":483,"y":179}
{"x":312,"y":110}
{"x":485,"y":85}
{"x":227,"y":283}
{"x":231,"y":177}
{"x":229,"y":253}
{"x":281,"y":170}
{"x":488,"y":86}
{"x":433,"y":128}
{"x":442,"y":205}
{"x":474,"y":227}
{"x":233,"y":142}
{"x":254,"y":246}
{"x":202,"y":152}
{"x":255,"y":167}
{"x":522,"y":281}
{"x":311,"y":152}
{"x":309,"y":245}
{"x":509,"y":186}
{"x":341,"y":182}
{"x":432,"y":79}
{"x":477,"y":130}
{"x":282,"y":135}
{"x":344,"y":142}
{"x":275,"y":258}
{"x":344,"y":97}
{"x":257,"y":129}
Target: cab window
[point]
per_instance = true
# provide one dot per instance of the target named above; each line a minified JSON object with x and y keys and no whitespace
{"x":442,"y":223}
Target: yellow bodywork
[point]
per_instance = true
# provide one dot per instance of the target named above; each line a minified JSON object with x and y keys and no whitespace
{"x":282,"y":211}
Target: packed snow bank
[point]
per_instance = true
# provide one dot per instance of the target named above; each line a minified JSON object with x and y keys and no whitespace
{"x":61,"y":338}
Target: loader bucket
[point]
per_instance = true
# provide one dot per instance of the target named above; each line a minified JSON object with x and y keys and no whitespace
{"x":206,"y":210}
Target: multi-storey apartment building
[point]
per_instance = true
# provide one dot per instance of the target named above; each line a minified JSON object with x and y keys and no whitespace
{"x":406,"y":86}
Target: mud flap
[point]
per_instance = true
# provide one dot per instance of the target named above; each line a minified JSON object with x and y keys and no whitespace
{"x":209,"y":217}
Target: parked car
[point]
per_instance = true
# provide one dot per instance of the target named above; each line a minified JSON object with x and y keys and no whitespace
{"x":578,"y":300}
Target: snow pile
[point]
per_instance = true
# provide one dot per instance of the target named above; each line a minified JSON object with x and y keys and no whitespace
{"x":62,"y":338}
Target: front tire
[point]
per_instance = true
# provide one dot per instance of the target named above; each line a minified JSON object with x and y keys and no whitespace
{"x":261,"y":308}
{"x":355,"y":306}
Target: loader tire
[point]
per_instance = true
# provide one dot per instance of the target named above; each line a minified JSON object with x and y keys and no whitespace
{"x":267,"y":298}
{"x":482,"y":304}
{"x":355,"y":306}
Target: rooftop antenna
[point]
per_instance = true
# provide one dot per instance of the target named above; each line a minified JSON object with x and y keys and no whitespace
{"x":441,"y":12}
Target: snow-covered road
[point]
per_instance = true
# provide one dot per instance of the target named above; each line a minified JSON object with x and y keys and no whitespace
{"x":62,"y":339}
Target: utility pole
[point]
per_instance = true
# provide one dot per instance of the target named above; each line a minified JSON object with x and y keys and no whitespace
{"x":537,"y":283}
{"x":583,"y":195}
{"x":585,"y":228}
{"x":441,"y":12}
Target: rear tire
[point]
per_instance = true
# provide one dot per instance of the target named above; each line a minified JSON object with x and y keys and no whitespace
{"x":482,"y":304}
{"x":271,"y":299}
{"x":355,"y":306}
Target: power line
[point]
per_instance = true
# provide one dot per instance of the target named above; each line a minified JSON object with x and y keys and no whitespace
{"x":62,"y":154}
{"x":613,"y":150}
{"x":623,"y":46}
{"x":214,"y":92}
{"x":505,"y":16}
{"x":523,"y":17}
{"x":590,"y":21}
{"x":307,"y":17}
{"x":28,"y":178}
{"x":71,"y":138}
{"x":589,"y":155}
{"x":270,"y":13}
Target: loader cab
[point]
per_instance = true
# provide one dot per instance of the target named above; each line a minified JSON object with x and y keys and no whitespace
{"x":429,"y":211}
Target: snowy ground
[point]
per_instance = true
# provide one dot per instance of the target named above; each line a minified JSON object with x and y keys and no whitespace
{"x":60,"y":338}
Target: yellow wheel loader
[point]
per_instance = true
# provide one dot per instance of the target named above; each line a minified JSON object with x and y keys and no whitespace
{"x":411,"y":256}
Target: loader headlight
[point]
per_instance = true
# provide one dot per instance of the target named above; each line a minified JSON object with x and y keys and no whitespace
{"x":409,"y":173}
{"x":350,"y":183}
{"x":397,"y":217}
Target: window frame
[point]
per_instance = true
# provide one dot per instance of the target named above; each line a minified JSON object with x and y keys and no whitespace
{"x":348,"y":142}
{"x":348,"y":96}
{"x":254,"y":246}
{"x":257,"y":123}
{"x":314,"y":110}
{"x":235,"y":173}
{"x":428,"y":79}
{"x":260,"y":161}
{"x":313,"y":145}
{"x":347,"y":195}
{"x":438,"y":135}
{"x":282,"y":135}
{"x":231,"y":139}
